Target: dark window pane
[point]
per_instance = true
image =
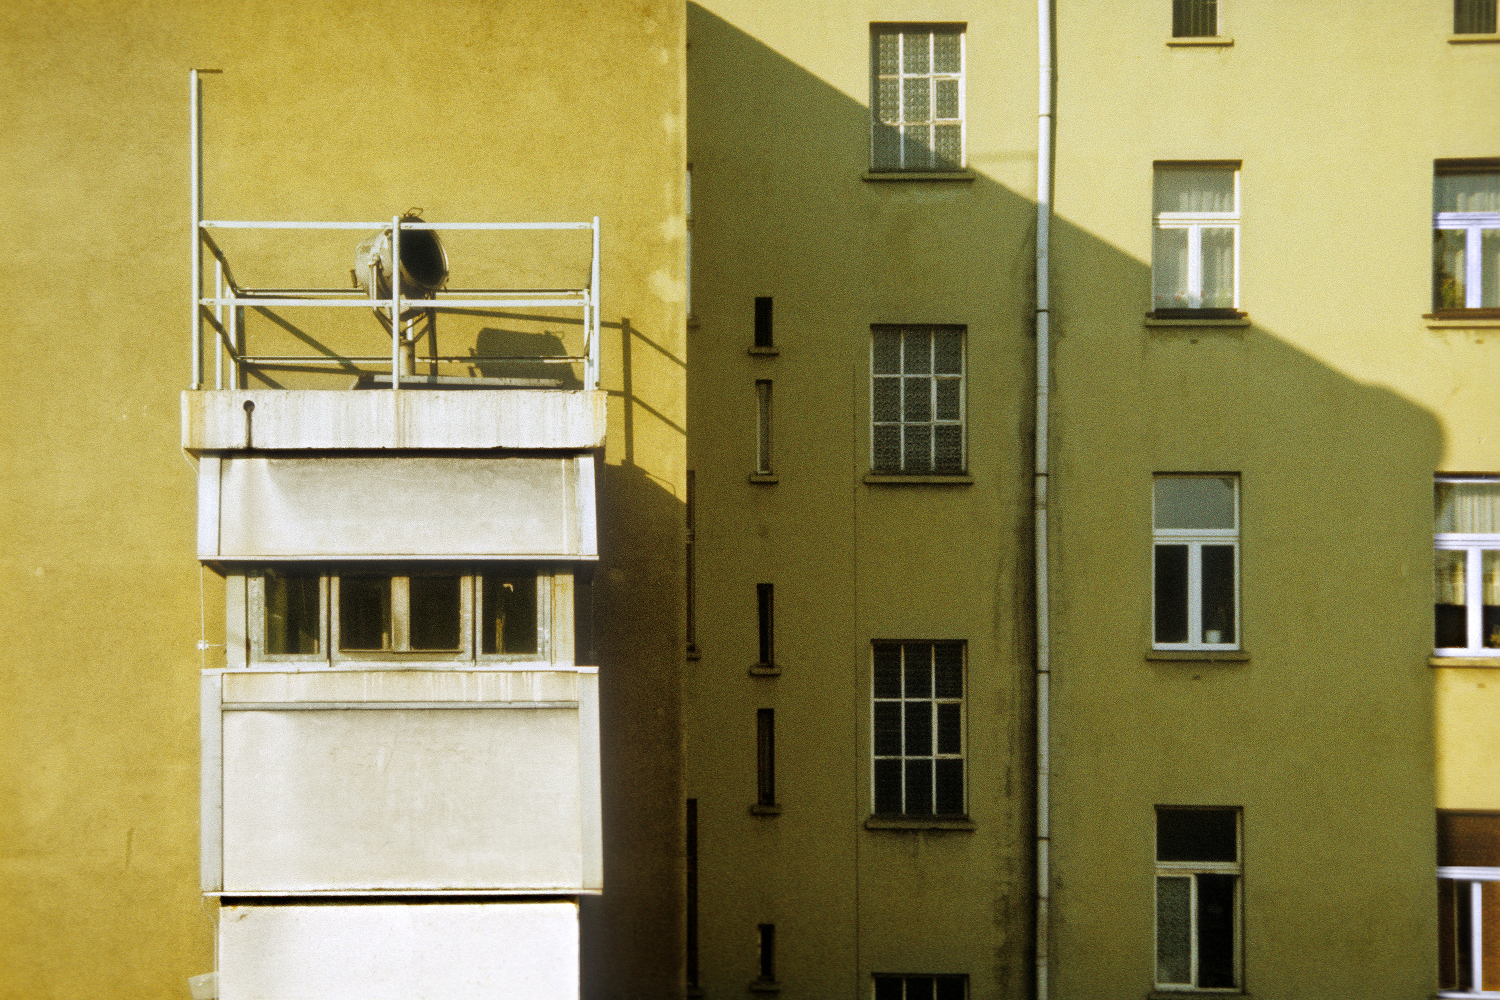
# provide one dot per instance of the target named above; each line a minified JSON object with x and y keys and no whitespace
{"x":435,"y":612}
{"x":888,"y":988}
{"x":950,"y":728}
{"x":950,"y":787}
{"x":1468,"y":839}
{"x":1171,"y":593}
{"x":1174,"y":944}
{"x":918,"y":669}
{"x":765,"y":745}
{"x":1449,"y":893}
{"x":888,"y":787}
{"x":951,"y":987}
{"x":1473,"y":17}
{"x":364,"y":612}
{"x":1216,"y":931}
{"x":763,"y":321}
{"x":918,"y":728}
{"x":508,"y":620}
{"x":948,"y":352}
{"x":918,"y":350}
{"x":887,"y":728}
{"x":887,"y":399}
{"x":1196,"y":835}
{"x":765,"y":596}
{"x":887,"y":353}
{"x":948,"y":668}
{"x":948,"y":448}
{"x":916,"y":399}
{"x":1194,"y":18}
{"x":1452,"y":621}
{"x":947,"y":398}
{"x":919,"y":787}
{"x":887,"y":670}
{"x":1218,"y":593}
{"x":767,"y":952}
{"x":918,"y":988}
{"x":293,"y":614}
{"x":888,"y":448}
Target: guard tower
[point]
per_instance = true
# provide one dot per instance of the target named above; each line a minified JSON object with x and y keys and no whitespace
{"x":400,"y":755}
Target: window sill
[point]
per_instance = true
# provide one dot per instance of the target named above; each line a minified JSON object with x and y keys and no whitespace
{"x":764,"y":477}
{"x":919,"y":823}
{"x":1483,"y":319}
{"x":693,"y":322}
{"x":763,"y":810}
{"x":1473,"y":39}
{"x":1153,"y":320}
{"x":766,"y":670}
{"x":1194,"y":991}
{"x":1487,"y":662}
{"x":693,"y":653}
{"x":1212,"y":41}
{"x":916,"y":478}
{"x":1198,"y":656}
{"x":919,"y":175}
{"x":764,"y":986}
{"x":763,"y":352}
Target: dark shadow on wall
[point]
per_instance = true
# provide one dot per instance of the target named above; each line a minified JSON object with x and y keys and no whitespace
{"x":779,"y":208}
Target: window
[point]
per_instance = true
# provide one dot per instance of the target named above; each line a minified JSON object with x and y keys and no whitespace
{"x":917,"y":97}
{"x":765,"y":757}
{"x":1197,"y":898}
{"x":765,"y":611}
{"x":362,"y":614}
{"x":767,"y":957}
{"x":1466,"y":233}
{"x":763,"y":427}
{"x":897,"y":987}
{"x":919,"y":728}
{"x":1196,"y":239}
{"x":1196,"y":541}
{"x":917,"y":399}
{"x":1195,"y":18}
{"x":1466,"y":572}
{"x":1468,"y":902}
{"x":763,"y":329}
{"x":1473,"y":17}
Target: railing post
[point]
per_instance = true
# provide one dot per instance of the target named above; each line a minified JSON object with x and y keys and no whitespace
{"x":396,"y":302}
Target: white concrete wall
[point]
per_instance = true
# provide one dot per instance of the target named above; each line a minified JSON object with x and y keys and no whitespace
{"x":216,"y":420}
{"x":384,"y":951}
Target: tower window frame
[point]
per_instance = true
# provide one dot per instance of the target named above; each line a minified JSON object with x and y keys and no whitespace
{"x":918,"y":399}
{"x":919,"y":729}
{"x":917,"y":97}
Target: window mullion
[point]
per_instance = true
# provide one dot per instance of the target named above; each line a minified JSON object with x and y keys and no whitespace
{"x":1474,"y":597}
{"x":1193,"y":929}
{"x":1195,"y":593}
{"x":401,"y":613}
{"x":1476,"y":936}
{"x":1195,"y":265}
{"x":1473,"y":267}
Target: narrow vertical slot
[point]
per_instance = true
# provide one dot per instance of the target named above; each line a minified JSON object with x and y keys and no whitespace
{"x":763,"y":427}
{"x":763,"y":332}
{"x":767,"y":952}
{"x":765,"y":756}
{"x":765,"y":607}
{"x":692,"y":896}
{"x":691,"y":567}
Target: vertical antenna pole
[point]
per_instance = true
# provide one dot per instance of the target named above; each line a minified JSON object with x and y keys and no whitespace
{"x":195,"y":157}
{"x":219,"y":316}
{"x":396,"y":302}
{"x":594,"y":298}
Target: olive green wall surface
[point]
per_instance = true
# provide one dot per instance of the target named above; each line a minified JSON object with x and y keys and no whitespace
{"x":496,"y":112}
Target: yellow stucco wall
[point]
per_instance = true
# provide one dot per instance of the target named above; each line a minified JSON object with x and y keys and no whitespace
{"x":475,"y":112}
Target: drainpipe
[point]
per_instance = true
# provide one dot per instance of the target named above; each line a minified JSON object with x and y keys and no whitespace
{"x":1039,"y":490}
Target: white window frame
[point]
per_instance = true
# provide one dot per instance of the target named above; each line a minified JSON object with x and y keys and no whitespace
{"x":1195,"y":539}
{"x":1188,"y":870}
{"x":901,"y":31}
{"x":551,"y":584}
{"x":1474,"y":545}
{"x":933,"y":378}
{"x":933,"y":700}
{"x":1195,"y":223}
{"x":1473,"y":225}
{"x":1473,"y":877}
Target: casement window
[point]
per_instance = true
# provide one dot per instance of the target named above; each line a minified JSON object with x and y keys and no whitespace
{"x":1466,"y":570}
{"x":1466,"y":234}
{"x":1195,"y":248}
{"x":1195,"y":18}
{"x":917,"y":399}
{"x":918,"y":728}
{"x":892,"y":986}
{"x":1468,"y":903}
{"x":917,"y":97}
{"x":1196,"y":543}
{"x":1198,"y":869}
{"x":363,"y":613}
{"x":1474,"y":17}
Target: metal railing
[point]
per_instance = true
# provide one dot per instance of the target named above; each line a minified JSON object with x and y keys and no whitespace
{"x":210,"y":310}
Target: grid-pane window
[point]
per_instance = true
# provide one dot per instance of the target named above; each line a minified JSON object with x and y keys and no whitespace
{"x":919,"y":728}
{"x":917,"y":399}
{"x":1466,"y":567}
{"x":1195,"y":18}
{"x":1468,"y":872}
{"x":1197,"y":897}
{"x":892,"y":986}
{"x":1466,"y":234}
{"x":1195,"y":237}
{"x":1474,"y":17}
{"x":917,"y":97}
{"x":1195,"y":566}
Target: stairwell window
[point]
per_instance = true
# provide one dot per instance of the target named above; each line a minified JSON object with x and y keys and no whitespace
{"x":918,"y":728}
{"x":1196,"y":542}
{"x":1195,"y":249}
{"x":1466,"y":236}
{"x":1198,"y":872}
{"x":894,"y":986}
{"x":917,"y":97}
{"x":1466,"y":570}
{"x":917,"y":399}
